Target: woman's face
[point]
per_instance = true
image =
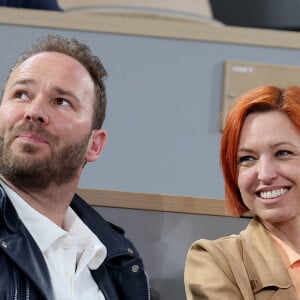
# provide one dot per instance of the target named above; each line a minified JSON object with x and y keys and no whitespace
{"x":269,"y":166}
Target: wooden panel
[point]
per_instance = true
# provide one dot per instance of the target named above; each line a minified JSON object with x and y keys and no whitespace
{"x":156,"y":202}
{"x":151,"y":26}
{"x":240,"y":77}
{"x":187,"y":7}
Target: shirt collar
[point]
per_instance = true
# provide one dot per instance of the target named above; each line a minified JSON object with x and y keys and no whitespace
{"x":288,"y":255}
{"x":38,"y":224}
{"x":87,"y":240}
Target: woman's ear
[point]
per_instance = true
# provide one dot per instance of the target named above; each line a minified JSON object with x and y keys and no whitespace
{"x":96,"y":145}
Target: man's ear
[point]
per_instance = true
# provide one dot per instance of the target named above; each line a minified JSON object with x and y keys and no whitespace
{"x":96,"y":145}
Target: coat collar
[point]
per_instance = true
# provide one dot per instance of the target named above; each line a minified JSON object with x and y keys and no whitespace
{"x":18,"y":244}
{"x":262,"y":252}
{"x":23,"y":250}
{"x":110,"y":235}
{"x":8,"y":214}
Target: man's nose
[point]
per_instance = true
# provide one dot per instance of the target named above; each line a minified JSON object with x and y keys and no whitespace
{"x":36,"y":111}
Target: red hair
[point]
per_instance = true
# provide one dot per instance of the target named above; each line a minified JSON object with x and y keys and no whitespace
{"x":264,"y":98}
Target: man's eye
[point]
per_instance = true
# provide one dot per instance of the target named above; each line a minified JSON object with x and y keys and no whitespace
{"x":22,"y":95}
{"x":63,"y":102}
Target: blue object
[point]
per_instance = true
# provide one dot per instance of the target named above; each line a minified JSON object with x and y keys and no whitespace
{"x":32,"y":4}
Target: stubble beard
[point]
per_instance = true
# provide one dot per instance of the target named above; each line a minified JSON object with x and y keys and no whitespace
{"x":59,"y":167}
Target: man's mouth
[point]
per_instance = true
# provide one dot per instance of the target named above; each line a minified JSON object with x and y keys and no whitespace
{"x":32,"y":138}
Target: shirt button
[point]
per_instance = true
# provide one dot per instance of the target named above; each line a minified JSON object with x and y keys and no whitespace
{"x":135,"y":268}
{"x":130,"y":250}
{"x":98,"y":256}
{"x":66,"y":244}
{"x":4,"y":244}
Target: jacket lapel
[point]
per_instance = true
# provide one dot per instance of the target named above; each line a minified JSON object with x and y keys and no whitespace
{"x":263,"y":263}
{"x":18,"y":244}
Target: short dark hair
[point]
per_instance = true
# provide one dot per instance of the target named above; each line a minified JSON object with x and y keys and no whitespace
{"x":83,"y":54}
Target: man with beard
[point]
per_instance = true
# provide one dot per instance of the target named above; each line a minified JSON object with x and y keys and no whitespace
{"x":53,"y":244}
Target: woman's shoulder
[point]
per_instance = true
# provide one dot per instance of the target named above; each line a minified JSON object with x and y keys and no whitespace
{"x":221,"y":244}
{"x":231,"y":244}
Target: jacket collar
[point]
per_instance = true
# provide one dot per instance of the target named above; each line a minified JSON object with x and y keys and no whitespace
{"x":18,"y":244}
{"x":31,"y":261}
{"x":110,"y":235}
{"x":8,"y":214}
{"x":262,"y":252}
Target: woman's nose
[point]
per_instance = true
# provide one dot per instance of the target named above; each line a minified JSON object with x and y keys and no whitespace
{"x":267,"y":171}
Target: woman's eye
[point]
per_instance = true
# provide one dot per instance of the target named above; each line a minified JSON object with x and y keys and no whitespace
{"x":283,"y":153}
{"x":245,"y":159}
{"x":63,"y":102}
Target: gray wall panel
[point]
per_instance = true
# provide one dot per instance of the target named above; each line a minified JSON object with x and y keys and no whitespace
{"x":163,"y":108}
{"x":163,"y":240}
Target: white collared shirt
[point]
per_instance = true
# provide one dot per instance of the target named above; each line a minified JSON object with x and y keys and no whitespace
{"x":70,"y":253}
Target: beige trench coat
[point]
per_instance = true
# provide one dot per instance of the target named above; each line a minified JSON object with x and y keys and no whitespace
{"x":245,"y":266}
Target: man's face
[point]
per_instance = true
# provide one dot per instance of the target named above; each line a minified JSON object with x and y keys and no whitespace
{"x":45,"y":121}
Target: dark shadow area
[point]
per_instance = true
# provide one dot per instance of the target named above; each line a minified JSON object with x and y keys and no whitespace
{"x":269,"y":14}
{"x":32,"y":4}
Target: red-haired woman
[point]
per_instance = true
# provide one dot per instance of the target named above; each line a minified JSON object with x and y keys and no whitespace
{"x":260,"y":159}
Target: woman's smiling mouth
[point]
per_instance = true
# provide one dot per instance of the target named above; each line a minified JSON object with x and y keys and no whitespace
{"x":272,"y":194}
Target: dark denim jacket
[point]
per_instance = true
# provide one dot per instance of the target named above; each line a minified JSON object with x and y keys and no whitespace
{"x":24,"y":273}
